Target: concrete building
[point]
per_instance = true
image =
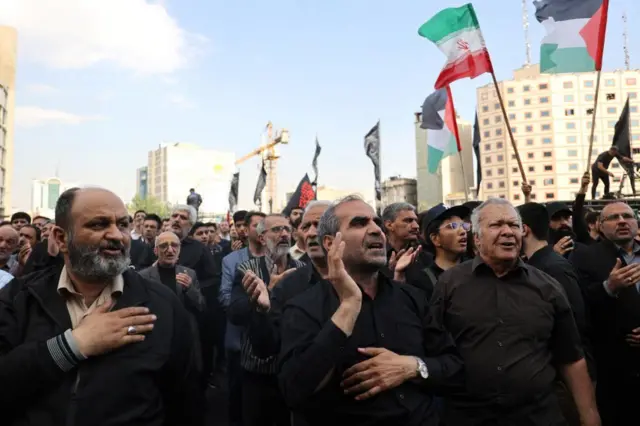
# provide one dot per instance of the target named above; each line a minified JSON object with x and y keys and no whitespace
{"x":397,"y":189}
{"x":175,"y":168}
{"x":8,"y":55}
{"x":551,"y":116}
{"x":142,"y":184}
{"x":447,"y":184}
{"x":45,"y":194}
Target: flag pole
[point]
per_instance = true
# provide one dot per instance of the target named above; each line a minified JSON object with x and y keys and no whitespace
{"x":506,"y":120}
{"x":464,"y":177}
{"x":593,"y":122}
{"x":379,"y":183}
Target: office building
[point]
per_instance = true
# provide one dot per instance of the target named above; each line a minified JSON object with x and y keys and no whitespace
{"x":142,"y":187}
{"x":397,"y":189}
{"x":45,"y":194}
{"x":8,"y":55}
{"x":550,"y":116}
{"x":173,"y":169}
{"x":447,"y":185}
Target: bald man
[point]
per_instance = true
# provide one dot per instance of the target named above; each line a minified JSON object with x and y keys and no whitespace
{"x":9,"y":239}
{"x":92,"y":328}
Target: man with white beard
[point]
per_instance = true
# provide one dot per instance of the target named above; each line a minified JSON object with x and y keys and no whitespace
{"x":260,"y":393}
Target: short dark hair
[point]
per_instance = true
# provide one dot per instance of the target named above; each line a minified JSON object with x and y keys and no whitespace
{"x":155,"y":218}
{"x":239,"y":216}
{"x":592,"y":218}
{"x":165,"y":219}
{"x":296,"y":223}
{"x":536,"y":217}
{"x":250,"y":215}
{"x":35,"y":228}
{"x":197,"y":226}
{"x":21,"y":215}
{"x":63,"y":208}
{"x":212,"y":225}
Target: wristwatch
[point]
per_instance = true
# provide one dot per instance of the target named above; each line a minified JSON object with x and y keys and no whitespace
{"x":423,"y":371}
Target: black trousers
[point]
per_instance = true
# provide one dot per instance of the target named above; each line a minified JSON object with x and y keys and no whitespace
{"x":234,"y":376}
{"x":597,"y":175}
{"x":262,"y":401}
{"x":618,"y":397}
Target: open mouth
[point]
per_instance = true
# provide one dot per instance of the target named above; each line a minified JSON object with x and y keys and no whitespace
{"x":112,"y":252}
{"x":507,"y":245}
{"x":375,"y":246}
{"x":313,"y":244}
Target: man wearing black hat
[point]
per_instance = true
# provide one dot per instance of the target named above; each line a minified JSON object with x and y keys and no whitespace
{"x":600,"y":168}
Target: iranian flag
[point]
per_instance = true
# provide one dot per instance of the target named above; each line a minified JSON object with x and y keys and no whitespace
{"x":439,"y":119}
{"x":457,"y":33}
{"x":575,"y":32}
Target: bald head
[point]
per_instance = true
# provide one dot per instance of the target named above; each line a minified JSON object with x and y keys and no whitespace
{"x":167,"y":236}
{"x":167,"y":249}
{"x":9,"y":238}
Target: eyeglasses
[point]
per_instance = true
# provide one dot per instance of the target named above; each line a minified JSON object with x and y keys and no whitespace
{"x":618,"y":216}
{"x":164,"y":246}
{"x":279,"y":229}
{"x":455,"y":225}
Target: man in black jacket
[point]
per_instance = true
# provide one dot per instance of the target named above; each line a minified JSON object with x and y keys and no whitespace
{"x":93,"y":343}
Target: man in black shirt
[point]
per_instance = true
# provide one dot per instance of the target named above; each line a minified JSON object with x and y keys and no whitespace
{"x":599,"y":169}
{"x":513,"y":327}
{"x":359,"y":348}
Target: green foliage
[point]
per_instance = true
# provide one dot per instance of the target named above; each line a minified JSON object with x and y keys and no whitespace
{"x":149,"y":205}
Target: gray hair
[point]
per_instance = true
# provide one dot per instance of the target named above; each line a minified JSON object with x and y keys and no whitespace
{"x":261,"y":227}
{"x":316,"y":203}
{"x":390,"y":212}
{"x":477,"y":212}
{"x":329,"y":223}
{"x":193,"y":214}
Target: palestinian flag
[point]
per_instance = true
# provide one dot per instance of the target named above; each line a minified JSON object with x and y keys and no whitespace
{"x":575,"y":34}
{"x":439,"y":119}
{"x":457,"y":33}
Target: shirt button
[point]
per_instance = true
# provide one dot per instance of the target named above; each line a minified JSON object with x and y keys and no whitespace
{"x":500,"y":321}
{"x":401,"y":396}
{"x":382,"y":335}
{"x":500,"y":344}
{"x":499,"y":368}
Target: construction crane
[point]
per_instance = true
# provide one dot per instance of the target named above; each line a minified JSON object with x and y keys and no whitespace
{"x":270,"y":157}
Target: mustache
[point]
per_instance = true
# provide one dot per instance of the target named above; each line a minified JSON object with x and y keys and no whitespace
{"x":113,"y":246}
{"x":313,"y":241}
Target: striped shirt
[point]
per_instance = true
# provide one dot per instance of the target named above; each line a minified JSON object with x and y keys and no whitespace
{"x":250,"y":362}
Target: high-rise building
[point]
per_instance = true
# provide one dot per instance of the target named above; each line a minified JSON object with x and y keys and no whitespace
{"x":142,"y":187}
{"x":399,"y":190}
{"x":8,"y":54}
{"x":175,"y":168}
{"x":447,"y":184}
{"x":551,"y":116}
{"x":45,"y":194}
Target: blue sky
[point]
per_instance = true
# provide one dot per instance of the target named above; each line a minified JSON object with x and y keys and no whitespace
{"x":99,"y":87}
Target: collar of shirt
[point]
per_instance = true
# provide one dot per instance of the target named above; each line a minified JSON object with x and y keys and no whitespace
{"x":135,"y":235}
{"x":630,"y":258}
{"x":542,"y":253}
{"x":66,"y":286}
{"x":269,"y":262}
{"x":480,"y":265}
{"x":296,"y":252}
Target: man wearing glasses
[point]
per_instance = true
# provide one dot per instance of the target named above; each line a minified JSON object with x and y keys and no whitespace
{"x":261,"y":397}
{"x":445,"y":234}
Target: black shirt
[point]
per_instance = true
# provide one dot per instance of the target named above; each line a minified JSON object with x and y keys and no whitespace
{"x":168,"y":277}
{"x":510,"y":332}
{"x":197,"y":256}
{"x":605,"y":158}
{"x":398,"y":319}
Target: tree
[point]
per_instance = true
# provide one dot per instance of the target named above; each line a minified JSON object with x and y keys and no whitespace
{"x":150,"y":205}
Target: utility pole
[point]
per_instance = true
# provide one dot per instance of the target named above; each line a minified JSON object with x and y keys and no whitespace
{"x":625,"y":38}
{"x":525,"y":27}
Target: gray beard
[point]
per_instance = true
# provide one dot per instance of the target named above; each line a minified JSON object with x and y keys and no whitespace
{"x":88,"y":263}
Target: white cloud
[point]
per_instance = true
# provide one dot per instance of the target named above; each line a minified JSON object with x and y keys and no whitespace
{"x":136,"y":35}
{"x":31,"y":116}
{"x":181,"y":102}
{"x":42,"y":89}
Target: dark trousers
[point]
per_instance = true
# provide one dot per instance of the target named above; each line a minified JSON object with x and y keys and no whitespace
{"x":262,"y":401}
{"x":234,"y":376}
{"x":212,"y":326}
{"x":597,"y":175}
{"x":618,"y":397}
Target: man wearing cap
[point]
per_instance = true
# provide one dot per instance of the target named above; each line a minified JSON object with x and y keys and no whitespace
{"x":600,"y":169}
{"x":561,"y":230}
{"x":445,"y":233}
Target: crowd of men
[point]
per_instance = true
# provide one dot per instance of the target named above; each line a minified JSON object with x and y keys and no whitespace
{"x":475,"y":315}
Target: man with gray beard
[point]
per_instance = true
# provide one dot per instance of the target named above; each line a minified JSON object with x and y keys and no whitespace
{"x":260,"y":394}
{"x":91,"y":341}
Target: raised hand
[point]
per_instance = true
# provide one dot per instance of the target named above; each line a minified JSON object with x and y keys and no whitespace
{"x":256,"y":290}
{"x":276,"y":278}
{"x":623,"y":276}
{"x":342,"y":282}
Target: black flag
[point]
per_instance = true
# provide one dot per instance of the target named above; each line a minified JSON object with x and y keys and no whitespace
{"x":476,"y":151}
{"x":233,"y":192}
{"x":299,"y":200}
{"x":314,"y":163}
{"x":621,"y":137}
{"x":372,"y":149}
{"x":262,"y":182}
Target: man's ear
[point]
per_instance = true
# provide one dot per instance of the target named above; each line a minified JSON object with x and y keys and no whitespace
{"x":327,"y":242}
{"x":387,"y":225}
{"x":60,"y":237}
{"x":525,"y":231}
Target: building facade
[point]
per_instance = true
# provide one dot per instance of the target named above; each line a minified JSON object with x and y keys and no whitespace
{"x":449,"y":184}
{"x":397,"y":189}
{"x":8,"y":55}
{"x":45,"y":194}
{"x":175,"y":168}
{"x":142,"y":184}
{"x":550,"y":116}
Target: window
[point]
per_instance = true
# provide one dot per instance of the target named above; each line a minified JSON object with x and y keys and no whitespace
{"x":500,"y":171}
{"x":546,"y":127}
{"x":533,"y":196}
{"x":588,"y":83}
{"x":487,"y":147}
{"x":489,"y":185}
{"x":571,"y":125}
{"x":610,"y":82}
{"x":635,"y":137}
{"x":543,"y":86}
{"x":496,"y":106}
{"x":516,"y":183}
{"x":573,"y":167}
{"x":546,"y":140}
{"x":499,"y":145}
{"x":545,"y":113}
{"x":589,"y":111}
{"x":572,"y":153}
{"x":513,"y":156}
{"x":532,"y":182}
{"x":569,"y":111}
{"x":526,"y":88}
{"x":588,"y":98}
{"x":489,"y":173}
{"x":497,"y":118}
{"x":487,"y":134}
{"x":514,"y":130}
{"x":530,"y":155}
{"x":631,"y":82}
{"x":548,"y":168}
{"x":500,"y":157}
{"x":611,"y":96}
{"x":633,"y":95}
{"x":633,"y":109}
{"x":567,"y":85}
{"x":529,"y":129}
{"x":529,"y":142}
{"x":547,"y":154}
{"x":571,"y":139}
{"x":498,"y":132}
{"x":548,"y":181}
{"x":634,"y":123}
{"x":512,"y":116}
{"x":514,"y":170}
{"x":501,"y":184}
{"x":549,"y":195}
{"x":485,"y":108}
{"x":611,"y":124}
{"x":532,"y":169}
{"x":516,"y":197}
{"x":512,"y":104}
{"x":527,"y":115}
{"x":527,"y":101}
{"x":544,"y":100}
{"x":487,"y":160}
{"x":568,"y":98}
{"x":612,"y":110}
{"x":485,"y":121}
{"x":615,"y":165}
{"x":502,"y":196}
{"x":573,"y":181}
{"x":510,"y":90}
{"x":636,"y":150}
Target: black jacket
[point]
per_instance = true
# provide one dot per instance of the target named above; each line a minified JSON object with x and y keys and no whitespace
{"x":152,"y":383}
